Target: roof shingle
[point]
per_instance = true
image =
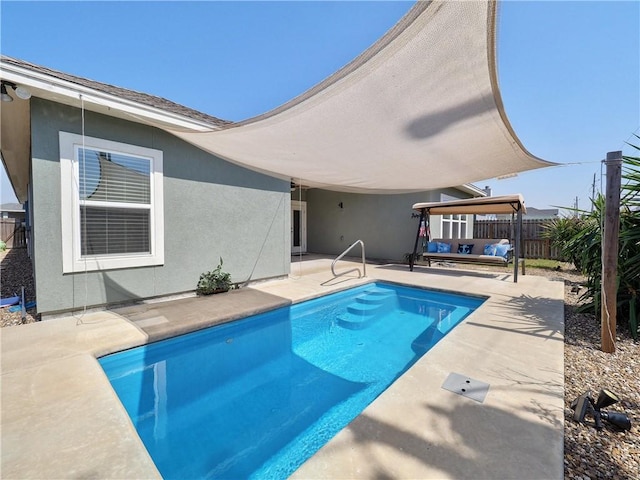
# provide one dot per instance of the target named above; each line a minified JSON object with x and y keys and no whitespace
{"x":132,"y":95}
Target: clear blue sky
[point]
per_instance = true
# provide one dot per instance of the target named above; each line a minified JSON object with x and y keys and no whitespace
{"x":569,"y":72}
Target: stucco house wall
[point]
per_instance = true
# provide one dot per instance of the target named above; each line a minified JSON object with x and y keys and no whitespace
{"x":385,"y":223}
{"x":212,"y":209}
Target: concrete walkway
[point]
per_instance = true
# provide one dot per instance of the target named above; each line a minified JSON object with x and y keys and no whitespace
{"x":61,"y":419}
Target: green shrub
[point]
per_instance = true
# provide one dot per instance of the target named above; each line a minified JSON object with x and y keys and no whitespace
{"x":3,"y":246}
{"x":215,"y":281}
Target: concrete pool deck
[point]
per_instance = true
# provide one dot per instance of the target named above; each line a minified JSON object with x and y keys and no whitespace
{"x":61,"y":419}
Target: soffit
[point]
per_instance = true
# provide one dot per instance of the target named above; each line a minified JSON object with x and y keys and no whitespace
{"x":15,"y":144}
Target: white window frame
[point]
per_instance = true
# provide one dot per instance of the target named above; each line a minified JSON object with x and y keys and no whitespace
{"x":450,"y":219}
{"x":72,"y":259}
{"x":462,"y":219}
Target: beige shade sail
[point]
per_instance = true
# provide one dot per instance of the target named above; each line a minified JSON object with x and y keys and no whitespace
{"x":420,"y":109}
{"x":504,"y":204}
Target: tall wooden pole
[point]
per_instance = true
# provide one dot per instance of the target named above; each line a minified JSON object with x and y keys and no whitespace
{"x":610,"y":233}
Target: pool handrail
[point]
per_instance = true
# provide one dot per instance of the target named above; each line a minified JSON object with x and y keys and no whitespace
{"x":339,"y":257}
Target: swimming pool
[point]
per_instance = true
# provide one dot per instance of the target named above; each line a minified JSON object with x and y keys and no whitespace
{"x":255,"y":398}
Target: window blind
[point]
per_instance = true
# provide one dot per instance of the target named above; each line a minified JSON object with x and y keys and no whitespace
{"x":114,"y":177}
{"x":125,"y":182}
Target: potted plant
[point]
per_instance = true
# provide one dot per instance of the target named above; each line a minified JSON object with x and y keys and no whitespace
{"x":216,"y":281}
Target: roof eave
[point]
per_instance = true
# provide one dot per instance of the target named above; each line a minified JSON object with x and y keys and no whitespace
{"x":66,"y":92}
{"x":471,"y":189}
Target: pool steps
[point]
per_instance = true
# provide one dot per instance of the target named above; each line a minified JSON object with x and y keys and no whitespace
{"x":371,"y":303}
{"x":366,"y":306}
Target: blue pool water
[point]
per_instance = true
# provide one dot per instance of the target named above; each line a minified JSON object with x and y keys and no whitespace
{"x":257,"y":397}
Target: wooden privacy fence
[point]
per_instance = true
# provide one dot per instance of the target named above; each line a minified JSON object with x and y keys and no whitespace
{"x":12,"y":233}
{"x":533,"y":243}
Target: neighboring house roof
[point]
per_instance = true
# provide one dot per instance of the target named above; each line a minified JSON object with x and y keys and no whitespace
{"x":419,"y":110}
{"x":11,"y":207}
{"x":538,"y":213}
{"x":542,"y":212}
{"x":534,"y":214}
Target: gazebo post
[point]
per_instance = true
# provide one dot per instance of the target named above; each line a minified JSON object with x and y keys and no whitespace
{"x":518,"y":240}
{"x":512,"y":236}
{"x":415,"y":245}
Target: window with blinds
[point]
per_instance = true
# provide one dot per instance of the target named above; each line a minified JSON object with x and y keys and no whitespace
{"x":115,"y":203}
{"x":111,"y":204}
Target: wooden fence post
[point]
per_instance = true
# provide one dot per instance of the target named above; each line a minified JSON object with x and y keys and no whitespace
{"x":610,"y":234}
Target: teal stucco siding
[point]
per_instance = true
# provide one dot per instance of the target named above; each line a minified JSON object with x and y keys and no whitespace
{"x":383,"y":222}
{"x":212,"y":209}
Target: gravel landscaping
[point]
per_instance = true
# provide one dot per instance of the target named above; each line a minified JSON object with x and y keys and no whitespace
{"x":15,"y":272}
{"x":589,"y":453}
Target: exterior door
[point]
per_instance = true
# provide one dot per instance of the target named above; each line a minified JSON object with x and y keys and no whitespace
{"x":298,"y":226}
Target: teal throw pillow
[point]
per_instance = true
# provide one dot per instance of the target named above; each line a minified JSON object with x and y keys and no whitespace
{"x":444,"y":247}
{"x":502,"y":249}
{"x":490,"y":249}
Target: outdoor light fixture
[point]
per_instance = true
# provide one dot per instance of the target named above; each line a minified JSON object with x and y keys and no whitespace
{"x":21,"y":92}
{"x":584,"y":405}
{"x":5,"y":96}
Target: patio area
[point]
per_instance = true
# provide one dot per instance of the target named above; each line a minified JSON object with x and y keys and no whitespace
{"x":61,"y":419}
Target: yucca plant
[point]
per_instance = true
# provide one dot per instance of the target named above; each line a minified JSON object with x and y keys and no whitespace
{"x":586,"y":245}
{"x":560,"y":231}
{"x":629,"y":260}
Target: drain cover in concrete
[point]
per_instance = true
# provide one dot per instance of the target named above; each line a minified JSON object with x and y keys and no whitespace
{"x":465,"y":386}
